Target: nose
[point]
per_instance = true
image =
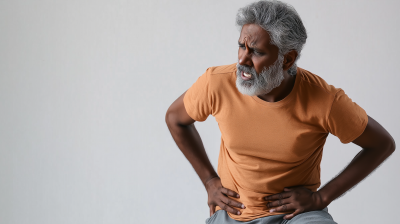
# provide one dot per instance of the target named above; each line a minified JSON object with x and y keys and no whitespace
{"x":244,"y":56}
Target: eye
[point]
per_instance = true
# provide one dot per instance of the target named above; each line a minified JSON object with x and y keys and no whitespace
{"x":257,"y":53}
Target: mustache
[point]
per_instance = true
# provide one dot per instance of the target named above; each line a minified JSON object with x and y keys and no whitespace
{"x":250,"y":70}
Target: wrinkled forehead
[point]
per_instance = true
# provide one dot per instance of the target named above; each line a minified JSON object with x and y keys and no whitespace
{"x":254,"y":35}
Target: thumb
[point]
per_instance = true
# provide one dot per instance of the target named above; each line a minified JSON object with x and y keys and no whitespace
{"x":212,"y":210}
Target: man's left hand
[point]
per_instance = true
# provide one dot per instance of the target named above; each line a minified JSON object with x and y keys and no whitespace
{"x":299,"y":199}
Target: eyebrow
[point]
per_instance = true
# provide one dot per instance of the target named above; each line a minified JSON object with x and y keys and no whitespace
{"x":252,"y":44}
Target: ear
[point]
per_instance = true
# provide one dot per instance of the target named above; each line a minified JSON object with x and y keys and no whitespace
{"x":289,"y":59}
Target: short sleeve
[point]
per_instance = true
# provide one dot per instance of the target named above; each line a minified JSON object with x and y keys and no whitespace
{"x":197,"y":100}
{"x":346,"y":119}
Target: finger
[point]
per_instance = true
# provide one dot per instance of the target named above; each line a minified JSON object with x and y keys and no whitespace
{"x":229,"y":192}
{"x":292,"y":215}
{"x":231,"y":202}
{"x":227,"y":208}
{"x":278,"y":203}
{"x":212,"y":210}
{"x":283,"y":208}
{"x":278,"y":196}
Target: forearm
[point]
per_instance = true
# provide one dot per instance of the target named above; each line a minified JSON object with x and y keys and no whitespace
{"x":359,"y":168}
{"x":189,"y":142}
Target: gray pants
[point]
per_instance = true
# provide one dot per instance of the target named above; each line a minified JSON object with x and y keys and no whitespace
{"x":313,"y":217}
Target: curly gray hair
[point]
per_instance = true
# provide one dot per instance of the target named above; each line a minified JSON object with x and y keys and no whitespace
{"x":281,"y":21}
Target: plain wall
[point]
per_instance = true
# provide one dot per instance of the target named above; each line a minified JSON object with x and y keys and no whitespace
{"x":85,"y":85}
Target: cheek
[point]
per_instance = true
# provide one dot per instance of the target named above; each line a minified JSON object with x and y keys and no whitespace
{"x":260,"y":63}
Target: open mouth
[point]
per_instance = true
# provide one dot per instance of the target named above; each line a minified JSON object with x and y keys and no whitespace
{"x":246,"y":76}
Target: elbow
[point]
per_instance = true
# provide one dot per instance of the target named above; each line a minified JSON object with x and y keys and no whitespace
{"x":390,"y":145}
{"x":168,"y":117}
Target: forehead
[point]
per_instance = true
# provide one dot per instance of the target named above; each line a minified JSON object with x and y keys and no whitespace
{"x":253,"y":34}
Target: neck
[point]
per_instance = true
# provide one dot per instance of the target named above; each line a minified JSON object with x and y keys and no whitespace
{"x":280,"y":92}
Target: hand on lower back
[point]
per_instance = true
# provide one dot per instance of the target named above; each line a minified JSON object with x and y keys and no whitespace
{"x":218,"y":195}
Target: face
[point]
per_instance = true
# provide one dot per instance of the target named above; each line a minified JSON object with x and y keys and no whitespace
{"x":259,"y":69}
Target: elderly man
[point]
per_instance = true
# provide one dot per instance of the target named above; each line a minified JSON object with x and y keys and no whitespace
{"x":274,"y":118}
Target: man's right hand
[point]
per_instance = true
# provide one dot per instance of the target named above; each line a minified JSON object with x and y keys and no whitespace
{"x":189,"y":142}
{"x":218,"y":195}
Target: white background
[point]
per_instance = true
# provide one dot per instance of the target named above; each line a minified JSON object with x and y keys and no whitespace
{"x":84,"y":87}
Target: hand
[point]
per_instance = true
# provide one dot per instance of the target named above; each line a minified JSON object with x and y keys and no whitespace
{"x":217,"y":195}
{"x":300,"y":199}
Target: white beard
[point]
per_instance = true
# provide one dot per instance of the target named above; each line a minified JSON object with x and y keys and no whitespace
{"x":262,"y":83}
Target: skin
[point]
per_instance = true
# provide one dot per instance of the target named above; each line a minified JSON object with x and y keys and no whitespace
{"x":256,"y":51}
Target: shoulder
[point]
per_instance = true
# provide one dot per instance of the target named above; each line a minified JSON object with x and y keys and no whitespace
{"x":221,"y":73}
{"x":222,"y":69}
{"x":221,"y":78}
{"x":216,"y":79}
{"x":215,"y":74}
{"x":314,"y":83}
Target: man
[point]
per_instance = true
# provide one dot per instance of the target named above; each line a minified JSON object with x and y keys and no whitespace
{"x":274,"y":119}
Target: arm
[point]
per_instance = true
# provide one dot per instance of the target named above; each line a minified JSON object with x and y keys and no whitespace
{"x":183,"y":131}
{"x":376,"y":143}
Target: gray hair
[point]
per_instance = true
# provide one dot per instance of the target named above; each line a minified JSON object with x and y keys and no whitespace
{"x":281,"y":21}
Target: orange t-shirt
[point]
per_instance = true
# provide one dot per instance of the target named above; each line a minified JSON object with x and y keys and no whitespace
{"x":266,"y":146}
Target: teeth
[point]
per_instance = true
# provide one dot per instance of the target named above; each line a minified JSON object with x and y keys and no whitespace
{"x":246,"y":74}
